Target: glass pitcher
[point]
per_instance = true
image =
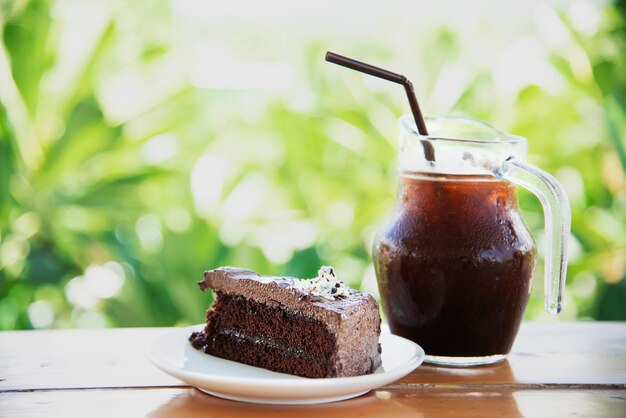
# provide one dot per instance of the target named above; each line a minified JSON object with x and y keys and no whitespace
{"x":455,"y":260}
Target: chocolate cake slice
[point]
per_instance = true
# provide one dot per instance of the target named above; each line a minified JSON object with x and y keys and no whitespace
{"x":310,"y":328}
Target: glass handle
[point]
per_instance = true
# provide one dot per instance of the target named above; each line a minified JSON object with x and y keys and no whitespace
{"x":558,"y":218}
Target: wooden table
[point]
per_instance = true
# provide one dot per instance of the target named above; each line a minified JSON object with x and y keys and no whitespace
{"x":555,"y":369}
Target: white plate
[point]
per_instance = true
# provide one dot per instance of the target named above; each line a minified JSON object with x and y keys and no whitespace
{"x":173,"y":354}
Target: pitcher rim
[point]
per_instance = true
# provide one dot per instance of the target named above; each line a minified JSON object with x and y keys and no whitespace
{"x":407,"y":124}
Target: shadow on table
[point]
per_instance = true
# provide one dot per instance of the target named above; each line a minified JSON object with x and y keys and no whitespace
{"x":195,"y":403}
{"x":405,"y":398}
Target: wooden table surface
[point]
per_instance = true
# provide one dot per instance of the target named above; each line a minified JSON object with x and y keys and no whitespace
{"x":555,"y":369}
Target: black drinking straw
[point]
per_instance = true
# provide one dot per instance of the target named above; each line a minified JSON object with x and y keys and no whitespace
{"x":429,"y":151}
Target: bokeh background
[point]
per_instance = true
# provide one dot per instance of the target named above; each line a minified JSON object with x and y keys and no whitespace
{"x":144,"y":142}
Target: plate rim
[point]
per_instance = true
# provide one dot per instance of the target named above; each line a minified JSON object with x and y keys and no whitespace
{"x":414,"y":361}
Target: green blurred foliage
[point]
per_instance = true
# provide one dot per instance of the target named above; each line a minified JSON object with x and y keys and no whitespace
{"x":122,"y":178}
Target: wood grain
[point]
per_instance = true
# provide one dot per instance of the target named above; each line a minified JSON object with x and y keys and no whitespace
{"x":188,"y":403}
{"x":554,"y":355}
{"x":79,"y":359}
{"x":555,"y":369}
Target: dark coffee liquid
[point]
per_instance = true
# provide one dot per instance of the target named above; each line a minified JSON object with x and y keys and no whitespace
{"x":454,"y":265}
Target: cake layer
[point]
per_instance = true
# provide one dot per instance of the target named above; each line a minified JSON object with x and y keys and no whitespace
{"x":255,"y":320}
{"x":263,"y":353}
